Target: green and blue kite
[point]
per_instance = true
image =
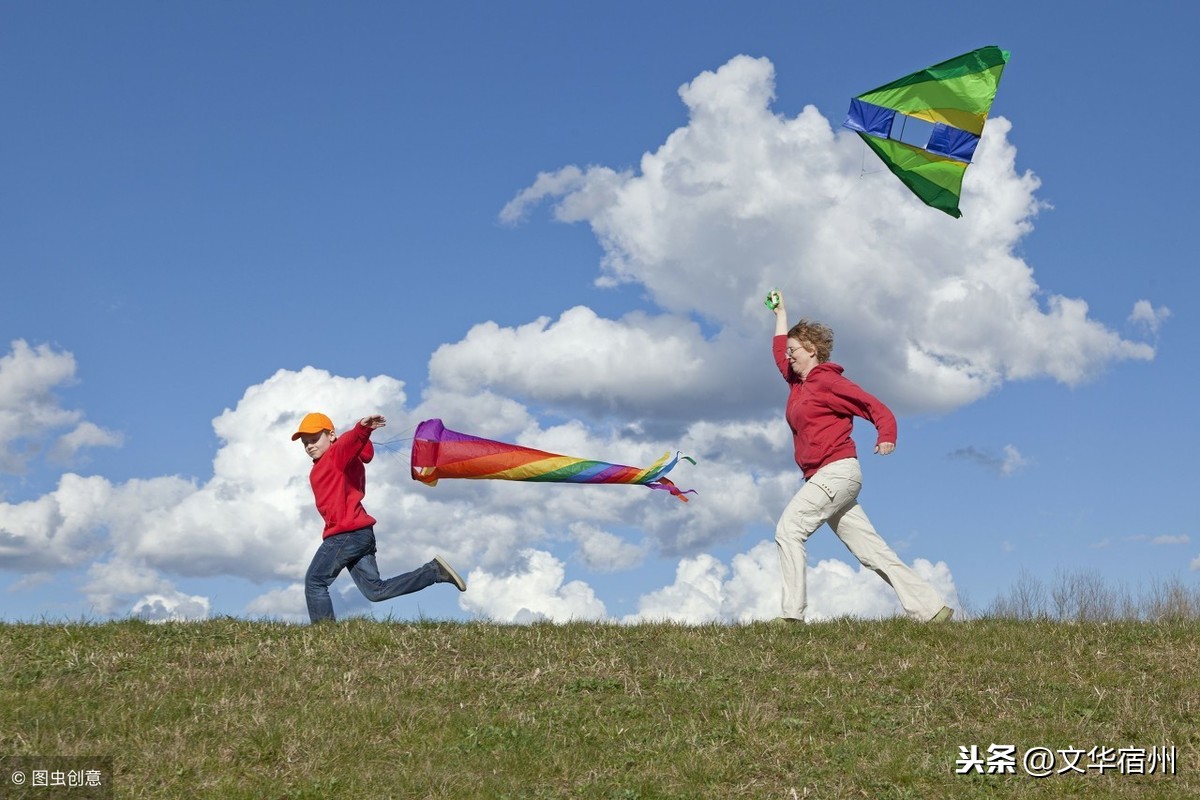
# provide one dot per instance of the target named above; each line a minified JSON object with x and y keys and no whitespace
{"x":955,"y":96}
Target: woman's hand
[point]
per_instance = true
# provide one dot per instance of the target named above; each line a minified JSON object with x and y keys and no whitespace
{"x":781,"y":326}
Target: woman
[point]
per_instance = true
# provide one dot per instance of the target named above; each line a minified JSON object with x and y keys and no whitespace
{"x":821,"y":408}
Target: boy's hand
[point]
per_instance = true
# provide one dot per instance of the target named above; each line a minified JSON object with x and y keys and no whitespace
{"x":374,"y":421}
{"x":885,"y":448}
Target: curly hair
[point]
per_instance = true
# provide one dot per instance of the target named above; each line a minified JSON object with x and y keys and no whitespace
{"x":817,"y":336}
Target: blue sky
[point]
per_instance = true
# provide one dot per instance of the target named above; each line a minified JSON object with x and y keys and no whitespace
{"x":554,"y":223}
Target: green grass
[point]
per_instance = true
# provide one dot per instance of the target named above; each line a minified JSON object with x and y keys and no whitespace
{"x":367,"y":709}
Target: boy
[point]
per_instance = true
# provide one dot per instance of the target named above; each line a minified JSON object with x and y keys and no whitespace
{"x":339,"y":482}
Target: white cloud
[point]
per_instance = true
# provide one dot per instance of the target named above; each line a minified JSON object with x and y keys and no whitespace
{"x":534,"y":591}
{"x":64,"y":528}
{"x":1146,"y":316}
{"x":638,"y":366}
{"x":836,"y":589}
{"x":30,"y":411}
{"x":173,"y":607}
{"x":706,"y":590}
{"x":753,"y":590}
{"x":601,"y":551}
{"x":114,"y":588}
{"x":86,"y":434}
{"x":696,"y":596}
{"x":563,"y":182}
{"x":932,"y":312}
{"x":287,"y":604}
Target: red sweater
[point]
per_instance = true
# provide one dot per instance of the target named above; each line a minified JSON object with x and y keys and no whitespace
{"x":339,"y":482}
{"x":821,"y":410}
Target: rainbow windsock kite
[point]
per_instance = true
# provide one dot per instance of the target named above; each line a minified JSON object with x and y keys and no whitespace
{"x":438,"y":452}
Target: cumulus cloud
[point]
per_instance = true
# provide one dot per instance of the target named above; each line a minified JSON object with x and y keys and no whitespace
{"x":532,"y":592}
{"x":932,"y":312}
{"x":120,"y":587}
{"x":641,"y":366}
{"x":30,"y":411}
{"x":286,"y":604}
{"x":696,"y":595}
{"x":707,"y":590}
{"x":61,"y":529}
{"x":175,"y":607}
{"x":601,"y":551}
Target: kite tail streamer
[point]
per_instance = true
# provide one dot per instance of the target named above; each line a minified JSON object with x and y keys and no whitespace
{"x":666,"y":484}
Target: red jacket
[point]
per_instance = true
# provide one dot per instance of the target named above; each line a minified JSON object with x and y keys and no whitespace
{"x":339,"y":482}
{"x":821,"y":411}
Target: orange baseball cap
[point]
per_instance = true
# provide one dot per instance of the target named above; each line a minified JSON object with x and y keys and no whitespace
{"x":313,"y":423}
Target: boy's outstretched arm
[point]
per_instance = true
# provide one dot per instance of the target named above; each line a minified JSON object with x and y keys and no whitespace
{"x":373,"y":422}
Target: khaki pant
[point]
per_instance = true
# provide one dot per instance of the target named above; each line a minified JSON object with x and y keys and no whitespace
{"x":831,"y":495}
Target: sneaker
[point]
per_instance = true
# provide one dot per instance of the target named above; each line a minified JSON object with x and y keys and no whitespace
{"x":783,"y":622}
{"x":447,"y":574}
{"x":944,"y":615}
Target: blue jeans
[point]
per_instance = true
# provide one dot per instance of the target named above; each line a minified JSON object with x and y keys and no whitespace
{"x":356,"y":550}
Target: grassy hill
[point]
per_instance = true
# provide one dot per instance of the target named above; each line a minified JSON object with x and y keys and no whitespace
{"x":844,"y":709}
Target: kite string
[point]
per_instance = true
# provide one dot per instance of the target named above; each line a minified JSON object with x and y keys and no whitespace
{"x":398,"y":446}
{"x":862,"y":169}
